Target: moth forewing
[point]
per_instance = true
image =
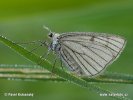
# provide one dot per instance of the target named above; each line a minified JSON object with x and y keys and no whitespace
{"x":88,"y":53}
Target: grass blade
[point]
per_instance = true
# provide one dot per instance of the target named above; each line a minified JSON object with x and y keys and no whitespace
{"x":47,"y":65}
{"x":35,"y":72}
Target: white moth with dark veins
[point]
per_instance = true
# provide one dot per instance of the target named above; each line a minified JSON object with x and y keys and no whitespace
{"x":86,"y":53}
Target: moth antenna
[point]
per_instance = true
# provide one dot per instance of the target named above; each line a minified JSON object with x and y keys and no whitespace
{"x":45,"y":27}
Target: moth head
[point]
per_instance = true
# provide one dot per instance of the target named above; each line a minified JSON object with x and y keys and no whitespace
{"x":50,"y":35}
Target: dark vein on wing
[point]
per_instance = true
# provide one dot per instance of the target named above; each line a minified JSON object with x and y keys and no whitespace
{"x":102,"y":51}
{"x":77,"y":58}
{"x":106,"y":46}
{"x":97,"y":54}
{"x":84,"y":59}
{"x":116,"y":55}
{"x":82,"y":63}
{"x":114,"y":40}
{"x":109,"y":43}
{"x":84,"y":54}
{"x":102,"y":45}
{"x":93,"y":52}
{"x":100,"y":35}
{"x":77,"y":67}
{"x":92,"y":47}
{"x":89,"y":63}
{"x":74,"y":69}
{"x":66,"y":59}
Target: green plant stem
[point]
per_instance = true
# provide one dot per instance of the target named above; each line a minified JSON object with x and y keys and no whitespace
{"x":64,"y":75}
{"x":34,"y":72}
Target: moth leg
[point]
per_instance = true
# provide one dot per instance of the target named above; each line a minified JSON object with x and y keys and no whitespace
{"x":44,"y":43}
{"x":61,"y":63}
{"x":35,"y":49}
{"x":55,"y":60}
{"x":52,"y":74}
{"x":26,"y":43}
{"x":41,"y":43}
{"x":45,"y":55}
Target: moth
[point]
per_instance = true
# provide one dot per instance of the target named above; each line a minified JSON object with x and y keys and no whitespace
{"x":86,"y":53}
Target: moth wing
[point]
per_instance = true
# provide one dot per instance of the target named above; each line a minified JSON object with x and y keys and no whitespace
{"x":88,"y":54}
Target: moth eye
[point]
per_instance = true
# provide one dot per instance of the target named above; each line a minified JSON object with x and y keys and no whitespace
{"x":50,"y":35}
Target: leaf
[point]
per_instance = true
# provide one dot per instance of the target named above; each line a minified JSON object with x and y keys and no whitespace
{"x":48,"y":66}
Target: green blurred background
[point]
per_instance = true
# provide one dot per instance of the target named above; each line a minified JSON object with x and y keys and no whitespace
{"x":23,"y":20}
